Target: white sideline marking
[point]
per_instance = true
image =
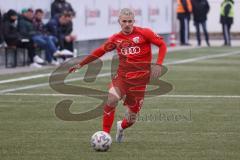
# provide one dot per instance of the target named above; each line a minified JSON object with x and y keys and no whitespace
{"x":25,"y":78}
{"x":105,"y":74}
{"x":166,"y":96}
{"x":45,"y":84}
{"x":167,"y":63}
{"x":200,"y":96}
{"x":202,"y":58}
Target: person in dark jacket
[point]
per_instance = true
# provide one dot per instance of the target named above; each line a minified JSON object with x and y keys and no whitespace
{"x":1,"y":34}
{"x":58,"y":6}
{"x":67,"y":30}
{"x":226,"y":19}
{"x":200,"y":11}
{"x":38,"y":21}
{"x":25,"y":24}
{"x":61,"y":28}
{"x":42,"y":39}
{"x":27,"y":30}
{"x":13,"y":37}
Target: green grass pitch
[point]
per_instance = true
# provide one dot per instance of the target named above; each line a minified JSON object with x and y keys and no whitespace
{"x":198,"y":120}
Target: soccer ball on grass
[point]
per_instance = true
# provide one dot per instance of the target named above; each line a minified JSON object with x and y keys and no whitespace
{"x":101,"y":141}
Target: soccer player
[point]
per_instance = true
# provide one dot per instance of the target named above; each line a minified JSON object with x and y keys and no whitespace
{"x":133,"y":45}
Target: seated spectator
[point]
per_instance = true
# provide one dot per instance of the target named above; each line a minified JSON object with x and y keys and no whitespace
{"x":13,"y":38}
{"x":58,"y":6}
{"x":61,"y":28}
{"x":67,"y":30}
{"x":43,"y":40}
{"x":27,"y":30}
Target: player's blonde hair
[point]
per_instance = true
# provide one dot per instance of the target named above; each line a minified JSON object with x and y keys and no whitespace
{"x":126,"y":12}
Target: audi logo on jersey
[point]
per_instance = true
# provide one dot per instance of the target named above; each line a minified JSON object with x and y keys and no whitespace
{"x":130,"y":50}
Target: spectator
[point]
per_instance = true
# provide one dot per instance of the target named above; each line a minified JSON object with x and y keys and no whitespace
{"x":13,"y":38}
{"x":184,"y":10}
{"x":58,"y":6}
{"x":25,"y":24}
{"x":42,"y":39}
{"x":226,"y":19}
{"x":61,"y":28}
{"x":26,"y":29}
{"x":11,"y":35}
{"x":67,"y":30}
{"x":1,"y":34}
{"x":200,"y":10}
{"x":38,"y":21}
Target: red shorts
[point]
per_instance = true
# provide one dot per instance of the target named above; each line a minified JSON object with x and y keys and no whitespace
{"x":132,"y":95}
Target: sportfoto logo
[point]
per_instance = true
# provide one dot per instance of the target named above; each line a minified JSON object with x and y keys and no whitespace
{"x":57,"y":81}
{"x":130,"y":50}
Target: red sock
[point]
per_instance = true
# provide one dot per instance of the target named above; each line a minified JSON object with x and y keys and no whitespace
{"x":125,"y":123}
{"x":108,"y":118}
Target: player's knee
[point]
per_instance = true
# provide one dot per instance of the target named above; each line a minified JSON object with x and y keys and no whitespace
{"x":113,"y":96}
{"x":112,"y":100}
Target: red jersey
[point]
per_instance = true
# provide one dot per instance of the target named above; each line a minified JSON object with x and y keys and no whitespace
{"x":134,"y":51}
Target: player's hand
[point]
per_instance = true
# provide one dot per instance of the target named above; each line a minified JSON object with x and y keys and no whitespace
{"x":73,"y":38}
{"x":74,"y":68}
{"x":68,"y":38}
{"x":156,"y":71}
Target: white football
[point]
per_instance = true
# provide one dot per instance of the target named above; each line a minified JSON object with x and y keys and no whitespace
{"x":101,"y":141}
